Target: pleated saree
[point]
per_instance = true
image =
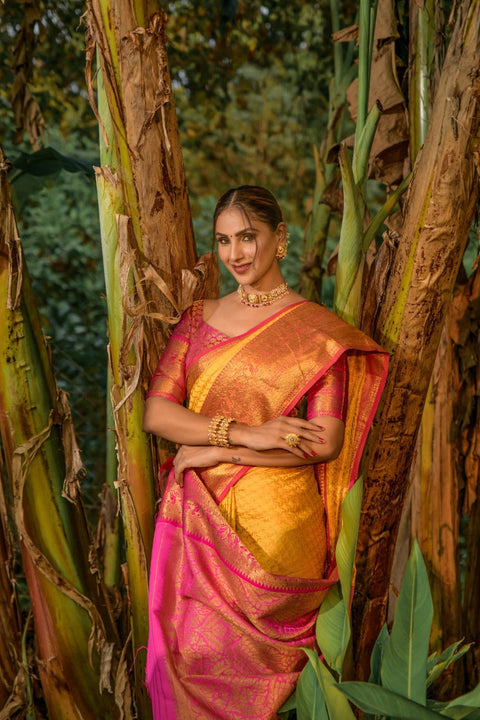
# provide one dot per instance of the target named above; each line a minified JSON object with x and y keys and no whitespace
{"x":243,"y":556}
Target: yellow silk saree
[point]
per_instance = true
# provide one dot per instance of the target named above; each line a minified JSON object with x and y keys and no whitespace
{"x":243,"y":556}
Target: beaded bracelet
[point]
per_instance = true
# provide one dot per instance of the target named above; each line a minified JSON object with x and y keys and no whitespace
{"x":218,"y":431}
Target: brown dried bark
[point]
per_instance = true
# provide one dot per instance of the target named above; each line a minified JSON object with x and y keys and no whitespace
{"x":445,"y":479}
{"x":389,"y":161}
{"x":435,"y":507}
{"x":466,"y":336}
{"x":435,"y":504}
{"x":139,"y":93}
{"x":28,"y":116}
{"x":439,"y":210}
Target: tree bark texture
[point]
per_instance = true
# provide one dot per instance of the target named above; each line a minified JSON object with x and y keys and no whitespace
{"x":435,"y":507}
{"x":444,"y":489}
{"x":466,"y":335}
{"x":131,"y":48}
{"x":412,"y":307}
{"x":78,"y":658}
{"x":149,"y":255}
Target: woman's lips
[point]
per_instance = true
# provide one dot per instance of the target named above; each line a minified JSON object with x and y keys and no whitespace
{"x":241,"y":269}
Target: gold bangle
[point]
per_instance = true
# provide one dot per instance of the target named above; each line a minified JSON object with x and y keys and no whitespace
{"x":223,"y":439}
{"x":218,"y":431}
{"x":213,"y":428}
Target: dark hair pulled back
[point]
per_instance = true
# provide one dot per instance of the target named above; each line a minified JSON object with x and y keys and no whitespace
{"x":251,"y":200}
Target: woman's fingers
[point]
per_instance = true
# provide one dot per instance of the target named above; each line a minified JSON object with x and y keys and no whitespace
{"x":179,"y":467}
{"x":179,"y":477}
{"x":300,"y":431}
{"x":191,"y":456}
{"x":284,"y":432}
{"x":303,"y":438}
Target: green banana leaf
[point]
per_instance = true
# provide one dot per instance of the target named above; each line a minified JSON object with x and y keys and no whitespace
{"x":404,"y":665}
{"x":309,"y":698}
{"x":376,"y":699}
{"x":338,"y":707}
{"x":470,"y":700}
{"x":437,"y":664}
{"x":333,"y":624}
{"x":377,"y":655}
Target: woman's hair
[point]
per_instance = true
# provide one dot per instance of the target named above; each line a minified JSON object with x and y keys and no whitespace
{"x":251,"y":199}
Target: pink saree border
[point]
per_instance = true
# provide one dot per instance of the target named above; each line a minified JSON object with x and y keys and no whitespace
{"x":325,"y":584}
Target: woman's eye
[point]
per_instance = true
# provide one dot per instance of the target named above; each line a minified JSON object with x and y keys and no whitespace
{"x":222,"y":241}
{"x":248,"y":238}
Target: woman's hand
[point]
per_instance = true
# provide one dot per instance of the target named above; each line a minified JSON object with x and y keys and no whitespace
{"x":272,"y":435}
{"x":195,"y":456}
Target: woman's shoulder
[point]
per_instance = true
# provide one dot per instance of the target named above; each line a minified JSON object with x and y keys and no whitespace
{"x":209,"y":305}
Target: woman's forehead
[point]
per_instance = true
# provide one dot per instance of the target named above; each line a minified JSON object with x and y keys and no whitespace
{"x":234,"y":219}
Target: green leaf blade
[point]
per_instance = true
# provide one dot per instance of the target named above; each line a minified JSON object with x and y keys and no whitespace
{"x":309,"y":698}
{"x":382,"y":701}
{"x":404,"y":666}
{"x":333,"y":624}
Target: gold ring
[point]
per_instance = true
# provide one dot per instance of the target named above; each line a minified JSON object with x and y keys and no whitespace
{"x":292,"y":440}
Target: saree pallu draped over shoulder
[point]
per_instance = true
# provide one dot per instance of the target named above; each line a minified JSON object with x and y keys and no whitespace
{"x":226,"y":633}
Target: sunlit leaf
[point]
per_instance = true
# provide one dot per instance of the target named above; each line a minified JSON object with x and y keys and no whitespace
{"x":336,"y":703}
{"x":382,"y":701}
{"x":438,"y":663}
{"x":333,"y":623}
{"x":404,"y":665}
{"x":309,"y":698}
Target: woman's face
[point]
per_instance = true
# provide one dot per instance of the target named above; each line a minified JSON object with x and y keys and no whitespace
{"x":247,"y":247}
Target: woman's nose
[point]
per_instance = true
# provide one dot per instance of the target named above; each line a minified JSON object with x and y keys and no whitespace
{"x":236,"y":249}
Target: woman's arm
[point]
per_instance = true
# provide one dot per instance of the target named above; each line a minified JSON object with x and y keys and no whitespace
{"x":180,"y":425}
{"x":206,"y":456}
{"x":322,"y":449}
{"x":174,"y":422}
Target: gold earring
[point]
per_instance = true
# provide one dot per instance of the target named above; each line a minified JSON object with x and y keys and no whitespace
{"x":281,"y":253}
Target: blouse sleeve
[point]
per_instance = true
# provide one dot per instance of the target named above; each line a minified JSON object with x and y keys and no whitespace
{"x":168,"y":380}
{"x":329,"y":394}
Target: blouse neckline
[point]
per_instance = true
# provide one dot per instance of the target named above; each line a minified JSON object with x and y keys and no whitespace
{"x":255,"y":327}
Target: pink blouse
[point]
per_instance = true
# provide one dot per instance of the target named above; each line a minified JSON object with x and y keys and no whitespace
{"x":193,"y":336}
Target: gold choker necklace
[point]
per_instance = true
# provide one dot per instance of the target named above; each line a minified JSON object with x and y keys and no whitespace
{"x":262,"y":299}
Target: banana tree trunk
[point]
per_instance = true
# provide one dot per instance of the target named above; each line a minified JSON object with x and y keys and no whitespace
{"x":326,"y":174}
{"x":422,"y":36}
{"x":432,"y":511}
{"x":439,"y":210}
{"x":75,"y":633}
{"x":466,"y":336}
{"x":444,"y":487}
{"x":435,"y":505}
{"x":148,"y":251}
{"x":10,"y":621}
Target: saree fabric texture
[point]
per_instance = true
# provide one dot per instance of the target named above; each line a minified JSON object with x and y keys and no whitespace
{"x":243,"y":556}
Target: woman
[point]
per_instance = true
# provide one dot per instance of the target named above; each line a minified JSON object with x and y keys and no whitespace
{"x":245,"y":535}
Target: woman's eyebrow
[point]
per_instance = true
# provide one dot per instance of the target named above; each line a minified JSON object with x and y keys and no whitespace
{"x":240,"y":232}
